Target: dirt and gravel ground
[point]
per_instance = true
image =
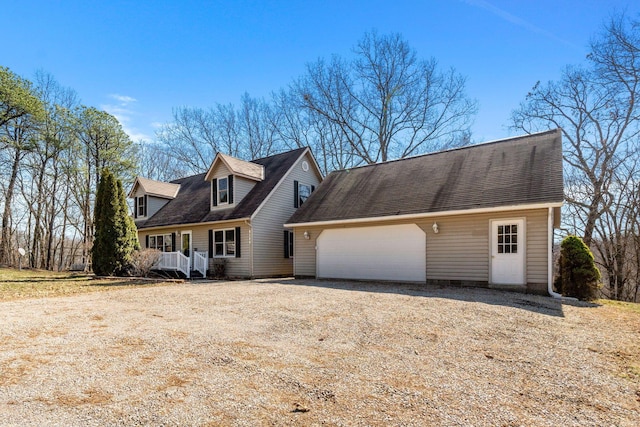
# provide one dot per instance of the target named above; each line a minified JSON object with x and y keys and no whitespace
{"x":316,"y":353}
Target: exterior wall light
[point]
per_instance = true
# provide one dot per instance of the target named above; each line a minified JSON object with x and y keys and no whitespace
{"x":306,"y":235}
{"x":435,"y":227}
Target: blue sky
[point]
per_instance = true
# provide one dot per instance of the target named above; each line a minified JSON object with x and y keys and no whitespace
{"x":139,"y":59}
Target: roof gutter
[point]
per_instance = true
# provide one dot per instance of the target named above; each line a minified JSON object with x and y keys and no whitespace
{"x":192,"y":224}
{"x":427,"y":214}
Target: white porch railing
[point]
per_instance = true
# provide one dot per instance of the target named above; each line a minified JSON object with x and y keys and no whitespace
{"x":201,"y":262}
{"x":177,"y":261}
{"x":174,"y":261}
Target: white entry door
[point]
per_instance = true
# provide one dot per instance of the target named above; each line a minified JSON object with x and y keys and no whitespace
{"x":507,"y":252}
{"x":186,"y":247}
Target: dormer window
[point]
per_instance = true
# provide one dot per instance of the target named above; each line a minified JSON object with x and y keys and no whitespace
{"x":140,"y":206}
{"x":223,"y":190}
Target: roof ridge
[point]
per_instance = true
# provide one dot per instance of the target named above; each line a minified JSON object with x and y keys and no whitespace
{"x":280,"y":154}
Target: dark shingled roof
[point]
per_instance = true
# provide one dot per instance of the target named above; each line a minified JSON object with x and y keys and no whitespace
{"x":515,"y":171}
{"x":192,"y":204}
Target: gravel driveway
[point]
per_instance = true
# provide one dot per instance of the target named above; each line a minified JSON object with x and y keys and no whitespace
{"x":294,"y":352}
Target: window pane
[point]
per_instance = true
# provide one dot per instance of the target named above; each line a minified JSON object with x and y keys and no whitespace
{"x":500,"y":238}
{"x":152,"y":242}
{"x":160,"y":241}
{"x":231,"y":248}
{"x":222,"y":184}
{"x":507,"y":239}
{"x":514,"y":238}
{"x":219,"y":236}
{"x":514,"y":249}
{"x":507,"y":249}
{"x":500,"y":249}
{"x":304,"y":191}
{"x":230,"y":235}
{"x":223,"y":193}
{"x":500,"y":229}
{"x":219,"y":249}
{"x":514,"y":228}
{"x":507,"y":229}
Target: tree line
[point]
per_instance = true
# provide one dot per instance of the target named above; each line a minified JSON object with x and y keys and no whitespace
{"x":379,"y":103}
{"x":52,"y":150}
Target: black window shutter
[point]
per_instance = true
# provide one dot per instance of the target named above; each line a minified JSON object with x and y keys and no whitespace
{"x":210,"y":243}
{"x":313,"y":188}
{"x":286,"y":243}
{"x":145,"y":205}
{"x":173,"y":242}
{"x":295,"y":194}
{"x":135,"y":207}
{"x":230,"y":188}
{"x":214,"y":192}
{"x":291,"y":244}
{"x":146,"y":241}
{"x":238,"y":242}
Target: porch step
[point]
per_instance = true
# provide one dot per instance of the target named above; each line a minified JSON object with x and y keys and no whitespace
{"x":196,"y":274}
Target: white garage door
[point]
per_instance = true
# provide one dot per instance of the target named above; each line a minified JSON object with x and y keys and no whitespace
{"x":393,"y":252}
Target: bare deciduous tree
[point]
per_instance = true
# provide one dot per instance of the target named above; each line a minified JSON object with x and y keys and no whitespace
{"x":386,"y":102}
{"x":596,"y":107}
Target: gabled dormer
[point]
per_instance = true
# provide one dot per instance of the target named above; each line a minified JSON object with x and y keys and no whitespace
{"x":231,"y":179}
{"x":149,"y":196}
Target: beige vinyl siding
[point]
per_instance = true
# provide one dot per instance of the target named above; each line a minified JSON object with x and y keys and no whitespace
{"x":268,"y":255}
{"x":460,"y":251}
{"x":305,"y":251}
{"x":241,"y":186}
{"x":537,"y":243}
{"x":235,"y":267}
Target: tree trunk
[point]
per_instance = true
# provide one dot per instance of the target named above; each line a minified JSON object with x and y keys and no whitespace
{"x":5,"y":242}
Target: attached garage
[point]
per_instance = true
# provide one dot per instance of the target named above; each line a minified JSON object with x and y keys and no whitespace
{"x":393,"y":252}
{"x":480,"y":215}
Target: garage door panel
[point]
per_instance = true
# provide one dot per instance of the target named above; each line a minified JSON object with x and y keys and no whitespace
{"x":373,"y":253}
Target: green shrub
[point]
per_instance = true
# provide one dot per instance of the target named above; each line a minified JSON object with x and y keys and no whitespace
{"x":578,"y":275}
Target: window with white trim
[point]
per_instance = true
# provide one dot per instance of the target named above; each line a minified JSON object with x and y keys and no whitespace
{"x":224,"y":243}
{"x":223,"y":191}
{"x":161,"y":242}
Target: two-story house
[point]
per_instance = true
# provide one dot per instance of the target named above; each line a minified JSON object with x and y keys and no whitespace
{"x":234,"y":213}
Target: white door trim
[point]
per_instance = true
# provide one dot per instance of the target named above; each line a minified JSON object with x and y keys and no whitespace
{"x":522,"y":248}
{"x":190,"y":233}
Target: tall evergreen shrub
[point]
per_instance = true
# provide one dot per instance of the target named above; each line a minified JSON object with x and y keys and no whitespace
{"x":578,"y":275}
{"x":115,"y":236}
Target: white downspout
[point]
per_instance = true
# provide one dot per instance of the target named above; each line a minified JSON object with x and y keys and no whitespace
{"x":550,"y":255}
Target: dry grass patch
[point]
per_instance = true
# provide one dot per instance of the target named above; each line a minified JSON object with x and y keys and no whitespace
{"x":90,"y":396}
{"x":23,"y":284}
